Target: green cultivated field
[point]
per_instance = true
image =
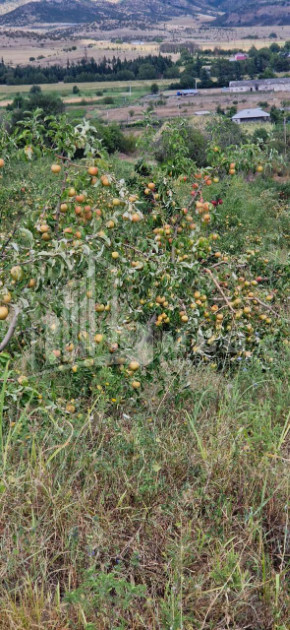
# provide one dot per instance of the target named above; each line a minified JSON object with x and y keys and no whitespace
{"x":87,"y":89}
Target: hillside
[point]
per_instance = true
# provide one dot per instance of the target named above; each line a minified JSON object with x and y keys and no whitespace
{"x":226,"y":12}
{"x":245,"y":13}
{"x":54,"y":11}
{"x":82,"y":11}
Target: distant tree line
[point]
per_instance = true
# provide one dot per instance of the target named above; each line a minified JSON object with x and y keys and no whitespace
{"x":209,"y":70}
{"x":149,"y":67}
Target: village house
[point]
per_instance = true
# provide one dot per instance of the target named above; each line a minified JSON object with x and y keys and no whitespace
{"x":251,"y":115}
{"x":240,"y":56}
{"x":260,"y":85}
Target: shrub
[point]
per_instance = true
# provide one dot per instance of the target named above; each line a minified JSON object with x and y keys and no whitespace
{"x":260,"y":136}
{"x":154,"y":88}
{"x":225,"y":132}
{"x":178,"y":142}
{"x":113,"y":138}
{"x":108,"y":100}
{"x":128,"y":143}
{"x":35,"y":89}
{"x":49,"y":104}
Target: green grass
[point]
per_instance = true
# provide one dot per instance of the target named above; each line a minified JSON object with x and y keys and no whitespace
{"x":169,"y":516}
{"x":87,"y":89}
{"x":75,"y":114}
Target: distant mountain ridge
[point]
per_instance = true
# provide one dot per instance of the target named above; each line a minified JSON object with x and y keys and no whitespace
{"x":53,"y":12}
{"x":248,"y":13}
{"x":25,"y":13}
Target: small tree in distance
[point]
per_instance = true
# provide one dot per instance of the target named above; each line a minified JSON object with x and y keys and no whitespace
{"x":35,"y":89}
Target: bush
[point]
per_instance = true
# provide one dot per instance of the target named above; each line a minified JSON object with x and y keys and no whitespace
{"x":128,"y":143}
{"x":191,"y":144}
{"x":197,"y":145}
{"x":276,"y":115}
{"x":229,"y":112}
{"x":260,"y":136}
{"x":108,"y":100}
{"x":224,"y":132}
{"x":113,"y":139}
{"x":154,"y":88}
{"x":35,"y":89}
{"x":49,"y":104}
{"x":281,"y":143}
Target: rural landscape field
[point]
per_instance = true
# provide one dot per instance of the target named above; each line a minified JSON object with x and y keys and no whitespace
{"x":144,"y":315}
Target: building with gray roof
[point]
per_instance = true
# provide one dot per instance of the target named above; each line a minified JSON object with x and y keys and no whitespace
{"x":251,"y":115}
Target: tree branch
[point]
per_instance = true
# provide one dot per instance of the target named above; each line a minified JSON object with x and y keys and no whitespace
{"x":57,"y":214}
{"x":220,"y":289}
{"x":11,"y":329}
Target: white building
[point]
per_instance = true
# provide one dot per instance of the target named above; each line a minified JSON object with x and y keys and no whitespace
{"x":261,"y":85}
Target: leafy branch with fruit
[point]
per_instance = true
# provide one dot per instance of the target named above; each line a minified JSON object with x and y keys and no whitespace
{"x":144,"y":400}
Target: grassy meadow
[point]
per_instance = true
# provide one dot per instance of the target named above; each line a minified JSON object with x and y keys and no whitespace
{"x":89,"y":89}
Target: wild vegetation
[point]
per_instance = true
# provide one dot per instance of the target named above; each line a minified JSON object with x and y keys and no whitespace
{"x":263,"y":63}
{"x":144,"y":406}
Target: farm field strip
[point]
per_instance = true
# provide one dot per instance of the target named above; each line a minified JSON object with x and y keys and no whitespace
{"x":65,"y":89}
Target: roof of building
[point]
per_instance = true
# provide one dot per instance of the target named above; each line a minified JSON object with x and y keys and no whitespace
{"x":251,"y":113}
{"x":260,"y":82}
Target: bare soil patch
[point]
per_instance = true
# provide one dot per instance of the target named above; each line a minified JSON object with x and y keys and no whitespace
{"x":186,"y":107}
